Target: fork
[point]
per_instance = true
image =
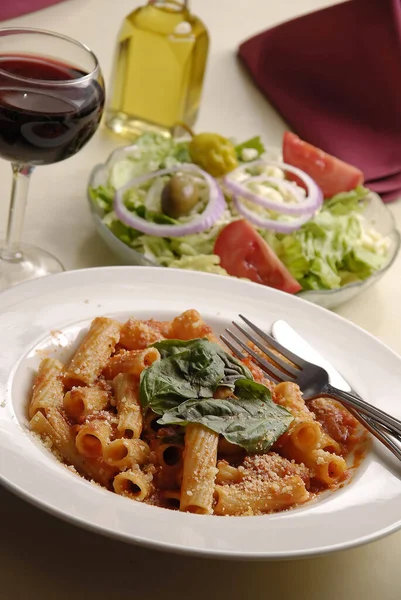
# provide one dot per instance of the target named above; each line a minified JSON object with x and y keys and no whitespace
{"x":284,"y":334}
{"x":312,"y":379}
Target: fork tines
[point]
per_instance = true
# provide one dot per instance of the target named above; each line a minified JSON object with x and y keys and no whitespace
{"x":277,"y":368}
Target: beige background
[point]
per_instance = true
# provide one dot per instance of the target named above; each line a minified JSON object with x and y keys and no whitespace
{"x":44,"y":558}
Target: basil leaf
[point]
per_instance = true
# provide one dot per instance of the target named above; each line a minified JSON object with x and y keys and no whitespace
{"x":233,"y":368}
{"x":250,"y":390}
{"x":195,"y":372}
{"x":169,"y":347}
{"x":251,"y":420}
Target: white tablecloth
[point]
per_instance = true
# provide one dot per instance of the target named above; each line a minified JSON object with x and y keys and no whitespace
{"x":43,"y":558}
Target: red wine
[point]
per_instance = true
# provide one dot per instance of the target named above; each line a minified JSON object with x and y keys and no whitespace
{"x":42,"y":122}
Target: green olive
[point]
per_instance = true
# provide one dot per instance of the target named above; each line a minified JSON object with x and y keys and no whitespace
{"x":179,"y":196}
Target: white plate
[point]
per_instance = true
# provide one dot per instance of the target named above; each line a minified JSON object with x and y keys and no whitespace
{"x":365,"y":509}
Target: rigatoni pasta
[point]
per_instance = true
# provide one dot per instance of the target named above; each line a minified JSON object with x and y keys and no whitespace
{"x":93,"y":353}
{"x":126,"y":394}
{"x":189,"y":325}
{"x":159,"y":413}
{"x":133,"y":362}
{"x":304,"y":432}
{"x":83,"y":401}
{"x":329,"y":444}
{"x":48,"y":388}
{"x":124,"y":454}
{"x":92,"y":437}
{"x":200,"y":458}
{"x":169,"y":454}
{"x":133,"y":483}
{"x":265,"y":496}
{"x":59,"y":436}
{"x":227,"y":473}
{"x":170,"y":499}
{"x":136,"y":335}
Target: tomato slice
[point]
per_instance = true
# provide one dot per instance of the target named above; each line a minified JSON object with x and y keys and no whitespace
{"x":244,"y":253}
{"x":331,"y":174}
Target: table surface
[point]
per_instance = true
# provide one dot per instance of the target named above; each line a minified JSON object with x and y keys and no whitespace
{"x":42,"y":557}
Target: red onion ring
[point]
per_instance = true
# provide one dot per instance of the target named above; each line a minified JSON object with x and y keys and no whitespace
{"x":271,"y":224}
{"x":201,"y":222}
{"x":309,"y":204}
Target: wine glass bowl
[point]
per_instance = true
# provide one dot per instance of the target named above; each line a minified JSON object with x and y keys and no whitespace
{"x":51,"y":102}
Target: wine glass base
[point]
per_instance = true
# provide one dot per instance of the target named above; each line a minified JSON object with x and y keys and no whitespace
{"x":31,"y":262}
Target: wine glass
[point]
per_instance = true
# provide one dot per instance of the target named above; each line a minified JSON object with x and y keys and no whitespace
{"x":51,"y":103}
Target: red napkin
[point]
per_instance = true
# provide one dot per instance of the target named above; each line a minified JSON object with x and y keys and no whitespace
{"x":335,"y":76}
{"x":9,"y":9}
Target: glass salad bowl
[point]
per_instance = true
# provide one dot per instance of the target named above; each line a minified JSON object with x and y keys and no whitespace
{"x":375,"y":213}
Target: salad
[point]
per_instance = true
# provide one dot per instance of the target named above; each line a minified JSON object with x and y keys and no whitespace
{"x":207,"y":204}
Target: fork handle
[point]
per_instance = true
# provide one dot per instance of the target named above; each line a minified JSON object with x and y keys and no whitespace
{"x":374,"y":413}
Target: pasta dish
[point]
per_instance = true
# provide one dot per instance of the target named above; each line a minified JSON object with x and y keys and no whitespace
{"x":161,"y":413}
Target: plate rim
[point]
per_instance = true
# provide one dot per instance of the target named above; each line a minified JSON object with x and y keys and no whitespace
{"x":6,"y":300}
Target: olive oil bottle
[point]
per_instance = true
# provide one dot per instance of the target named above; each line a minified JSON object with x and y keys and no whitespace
{"x":158,"y":70}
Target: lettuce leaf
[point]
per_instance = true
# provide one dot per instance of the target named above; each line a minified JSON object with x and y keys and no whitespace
{"x":102,"y":196}
{"x":345,"y":203}
{"x":150,"y":153}
{"x":208,"y":263}
{"x":332,"y":249}
{"x":254,"y":143}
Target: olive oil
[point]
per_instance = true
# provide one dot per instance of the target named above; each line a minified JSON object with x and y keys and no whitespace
{"x":158,"y":70}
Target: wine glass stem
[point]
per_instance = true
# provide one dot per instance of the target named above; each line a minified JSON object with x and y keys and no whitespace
{"x":19,"y":194}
